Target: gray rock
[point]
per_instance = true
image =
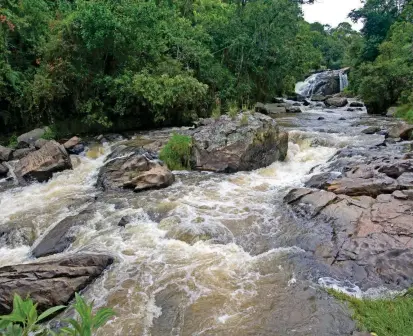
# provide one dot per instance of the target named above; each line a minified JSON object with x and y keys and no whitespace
{"x":405,"y":180}
{"x":320,"y":118}
{"x":402,"y":130}
{"x":29,"y":138}
{"x":336,"y":101}
{"x":139,"y":171}
{"x":278,"y":100}
{"x":356,"y":104}
{"x":22,"y":152}
{"x":61,"y":235}
{"x":371,"y":130}
{"x":3,"y":170}
{"x":318,"y":98}
{"x":293,"y":109}
{"x":391,"y":111}
{"x":6,"y":153}
{"x":248,"y":142}
{"x":41,"y":164}
{"x":52,"y":282}
{"x":40,"y":143}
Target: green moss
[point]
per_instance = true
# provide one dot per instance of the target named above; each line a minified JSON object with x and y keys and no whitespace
{"x":384,"y":317}
{"x":405,"y":112}
{"x":50,"y":133}
{"x":177,"y":152}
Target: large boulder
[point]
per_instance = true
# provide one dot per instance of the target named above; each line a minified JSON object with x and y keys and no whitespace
{"x":74,"y":145}
{"x":61,"y":235}
{"x":41,"y":164}
{"x":6,"y":153}
{"x":3,"y":170}
{"x":52,"y":282}
{"x":336,"y":101}
{"x":22,"y":152}
{"x":246,"y":142}
{"x":275,"y":108}
{"x":139,"y":170}
{"x":29,"y":138}
{"x":402,"y":130}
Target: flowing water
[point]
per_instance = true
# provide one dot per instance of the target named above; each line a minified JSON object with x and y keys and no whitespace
{"x":210,"y":255}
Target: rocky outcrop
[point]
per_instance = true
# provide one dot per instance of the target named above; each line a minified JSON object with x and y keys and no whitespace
{"x":74,"y":145}
{"x":22,"y":152}
{"x":247,"y":142}
{"x":138,"y":170}
{"x":52,"y":282}
{"x":402,"y":130}
{"x":336,"y":101}
{"x":362,"y":206}
{"x":29,"y":138}
{"x":41,"y":164}
{"x":61,"y":235}
{"x":356,"y":104}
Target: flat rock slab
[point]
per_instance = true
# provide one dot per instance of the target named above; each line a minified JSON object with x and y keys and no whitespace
{"x":52,"y":282}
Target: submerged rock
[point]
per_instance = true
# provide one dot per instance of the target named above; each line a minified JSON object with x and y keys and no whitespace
{"x":41,"y":164}
{"x":52,"y":282}
{"x":247,"y":142}
{"x":356,"y":104}
{"x":140,"y":170}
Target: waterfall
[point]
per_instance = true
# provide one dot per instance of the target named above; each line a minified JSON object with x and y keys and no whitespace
{"x":325,"y":83}
{"x":343,"y":80}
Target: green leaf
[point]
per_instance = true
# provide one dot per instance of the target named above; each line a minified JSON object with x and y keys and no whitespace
{"x":13,"y":317}
{"x":49,"y":312}
{"x":101,"y":317}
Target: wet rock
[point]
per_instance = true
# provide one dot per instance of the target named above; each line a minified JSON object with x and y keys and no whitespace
{"x":306,"y":102}
{"x":139,"y":171}
{"x":125,"y":220}
{"x":293,"y":109}
{"x":3,"y":170}
{"x":402,"y":130}
{"x":320,"y":118}
{"x":336,"y":101}
{"x":323,"y":180}
{"x":22,"y":152}
{"x":201,"y":231}
{"x":373,"y":186}
{"x":74,"y":145}
{"x":14,"y":234}
{"x":341,"y":118}
{"x":248,"y":142}
{"x":351,"y":109}
{"x":61,"y":236}
{"x":29,"y":138}
{"x":356,"y":104}
{"x":371,"y":130}
{"x":277,"y":100}
{"x":260,"y":108}
{"x":52,"y":282}
{"x":6,"y":153}
{"x":41,"y":164}
{"x":271,"y":108}
{"x":40,"y":143}
{"x":395,"y":168}
{"x":405,"y":181}
{"x":318,"y":98}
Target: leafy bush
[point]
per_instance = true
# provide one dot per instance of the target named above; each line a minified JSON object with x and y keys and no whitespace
{"x":13,"y":141}
{"x":24,"y":319}
{"x":177,"y":152}
{"x":50,"y":133}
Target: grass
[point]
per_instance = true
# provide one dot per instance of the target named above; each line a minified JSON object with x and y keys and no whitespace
{"x":405,"y":112}
{"x":177,"y":152}
{"x":233,"y":110}
{"x":383,"y":317}
{"x":244,"y":120}
{"x":216,"y":112}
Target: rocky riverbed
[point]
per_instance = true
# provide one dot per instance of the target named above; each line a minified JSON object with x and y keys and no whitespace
{"x":206,"y":253}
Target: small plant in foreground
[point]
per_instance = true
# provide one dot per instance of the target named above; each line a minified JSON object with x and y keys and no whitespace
{"x":177,"y":152}
{"x":233,"y":110}
{"x":244,"y":119}
{"x":24,"y":319}
{"x":385,"y":316}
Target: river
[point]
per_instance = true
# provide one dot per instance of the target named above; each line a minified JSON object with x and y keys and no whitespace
{"x":252,"y":276}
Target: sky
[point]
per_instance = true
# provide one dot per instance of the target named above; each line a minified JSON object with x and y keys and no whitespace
{"x":331,"y":12}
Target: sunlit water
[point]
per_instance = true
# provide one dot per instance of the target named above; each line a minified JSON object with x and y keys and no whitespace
{"x":200,"y":257}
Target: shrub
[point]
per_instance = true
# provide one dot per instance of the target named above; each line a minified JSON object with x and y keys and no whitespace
{"x":24,"y":319}
{"x":177,"y":152}
{"x":13,"y":141}
{"x":244,"y":119}
{"x":50,"y":133}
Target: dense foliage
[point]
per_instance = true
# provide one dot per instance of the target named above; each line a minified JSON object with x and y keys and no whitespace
{"x":383,"y":72}
{"x":135,"y":63}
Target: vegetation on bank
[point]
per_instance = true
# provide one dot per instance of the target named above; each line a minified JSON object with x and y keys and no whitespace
{"x":383,"y":317}
{"x":176,"y":154}
{"x":24,"y":319}
{"x":84,"y":65}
